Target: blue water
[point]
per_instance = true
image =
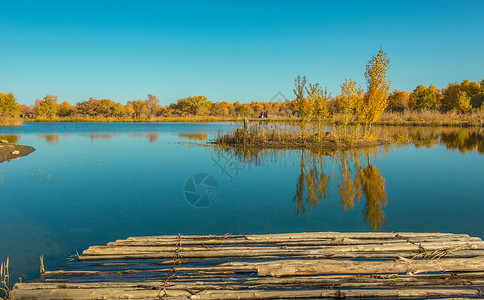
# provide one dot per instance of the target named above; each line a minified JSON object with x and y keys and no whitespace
{"x":90,"y":183}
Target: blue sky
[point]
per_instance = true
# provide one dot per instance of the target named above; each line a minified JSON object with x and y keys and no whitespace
{"x":229,"y":50}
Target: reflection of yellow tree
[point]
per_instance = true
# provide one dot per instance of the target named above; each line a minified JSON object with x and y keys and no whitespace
{"x":373,"y":187}
{"x":349,"y":189}
{"x":312,"y":185}
{"x":355,"y":182}
{"x":199,"y":136}
{"x":50,"y":138}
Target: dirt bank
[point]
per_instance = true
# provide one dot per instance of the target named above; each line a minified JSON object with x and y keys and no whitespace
{"x":10,"y":151}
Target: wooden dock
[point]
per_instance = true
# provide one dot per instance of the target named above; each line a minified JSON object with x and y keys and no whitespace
{"x":271,"y":266}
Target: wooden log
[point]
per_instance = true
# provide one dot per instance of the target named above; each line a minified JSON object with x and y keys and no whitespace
{"x":327,"y":293}
{"x":248,"y":294}
{"x":300,"y":268}
{"x":95,"y":294}
{"x":124,"y":253}
{"x":290,"y":242}
{"x":109,"y":250}
{"x":303,"y":235}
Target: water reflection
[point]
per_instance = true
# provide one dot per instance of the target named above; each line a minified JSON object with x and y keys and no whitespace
{"x":50,"y":138}
{"x":352,"y":172}
{"x":462,"y":139}
{"x":95,"y":137}
{"x":10,"y":138}
{"x":152,"y":137}
{"x":199,"y":136}
{"x":355,"y":176}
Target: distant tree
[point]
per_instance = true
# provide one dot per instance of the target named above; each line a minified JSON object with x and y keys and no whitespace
{"x":463,"y":103}
{"x":8,"y":105}
{"x":139,"y":108}
{"x":397,"y":101}
{"x":422,"y":98}
{"x":105,"y":107}
{"x":257,"y":106}
{"x":451,"y":93}
{"x":26,"y":110}
{"x":65,"y":110}
{"x":375,"y":100}
{"x":118,"y":110}
{"x":47,"y":107}
{"x":225,"y":108}
{"x":152,"y":104}
{"x":245,"y":110}
{"x":197,"y":105}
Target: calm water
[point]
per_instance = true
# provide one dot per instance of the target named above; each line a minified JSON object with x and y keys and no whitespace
{"x":93,"y":183}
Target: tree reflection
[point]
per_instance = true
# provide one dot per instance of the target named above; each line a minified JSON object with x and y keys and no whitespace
{"x":356,"y":181}
{"x":10,"y":138}
{"x":312,"y":185}
{"x":353,"y":173}
{"x":50,"y":138}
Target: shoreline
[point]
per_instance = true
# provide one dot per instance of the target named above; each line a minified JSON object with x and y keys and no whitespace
{"x":10,"y":151}
{"x":451,"y":123}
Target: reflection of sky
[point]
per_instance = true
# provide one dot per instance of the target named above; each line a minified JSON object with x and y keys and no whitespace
{"x":83,"y":191}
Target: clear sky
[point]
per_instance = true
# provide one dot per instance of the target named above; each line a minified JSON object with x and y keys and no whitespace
{"x":230,"y":50}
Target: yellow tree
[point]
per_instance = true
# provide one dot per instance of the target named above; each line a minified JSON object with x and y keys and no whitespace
{"x":65,"y":109}
{"x":8,"y":105}
{"x":350,"y":101}
{"x":319,"y":102}
{"x":46,"y":107}
{"x":375,"y":100}
{"x":303,"y":105}
{"x":463,"y":103}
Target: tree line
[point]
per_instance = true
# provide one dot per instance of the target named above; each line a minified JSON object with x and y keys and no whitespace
{"x":312,"y":102}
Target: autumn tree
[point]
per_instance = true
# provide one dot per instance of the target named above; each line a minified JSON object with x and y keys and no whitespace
{"x":397,"y":101}
{"x":197,"y":105}
{"x":153,"y":105}
{"x":8,"y":105}
{"x":47,"y":107}
{"x":319,"y":103}
{"x":245,"y":110}
{"x":451,"y":93}
{"x":350,"y":99}
{"x":303,"y":104}
{"x":118,"y":110}
{"x":375,"y":100}
{"x":65,"y":110}
{"x":463,"y":103}
{"x":139,"y":108}
{"x":422,"y":98}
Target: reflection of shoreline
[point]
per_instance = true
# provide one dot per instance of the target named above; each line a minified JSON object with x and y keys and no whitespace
{"x":462,"y":139}
{"x":199,"y":136}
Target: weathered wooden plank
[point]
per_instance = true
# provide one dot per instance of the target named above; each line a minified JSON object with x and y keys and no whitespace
{"x":108,"y":250}
{"x":312,"y":267}
{"x":290,"y":242}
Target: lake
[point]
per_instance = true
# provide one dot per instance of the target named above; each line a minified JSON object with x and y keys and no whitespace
{"x":92,"y":183}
